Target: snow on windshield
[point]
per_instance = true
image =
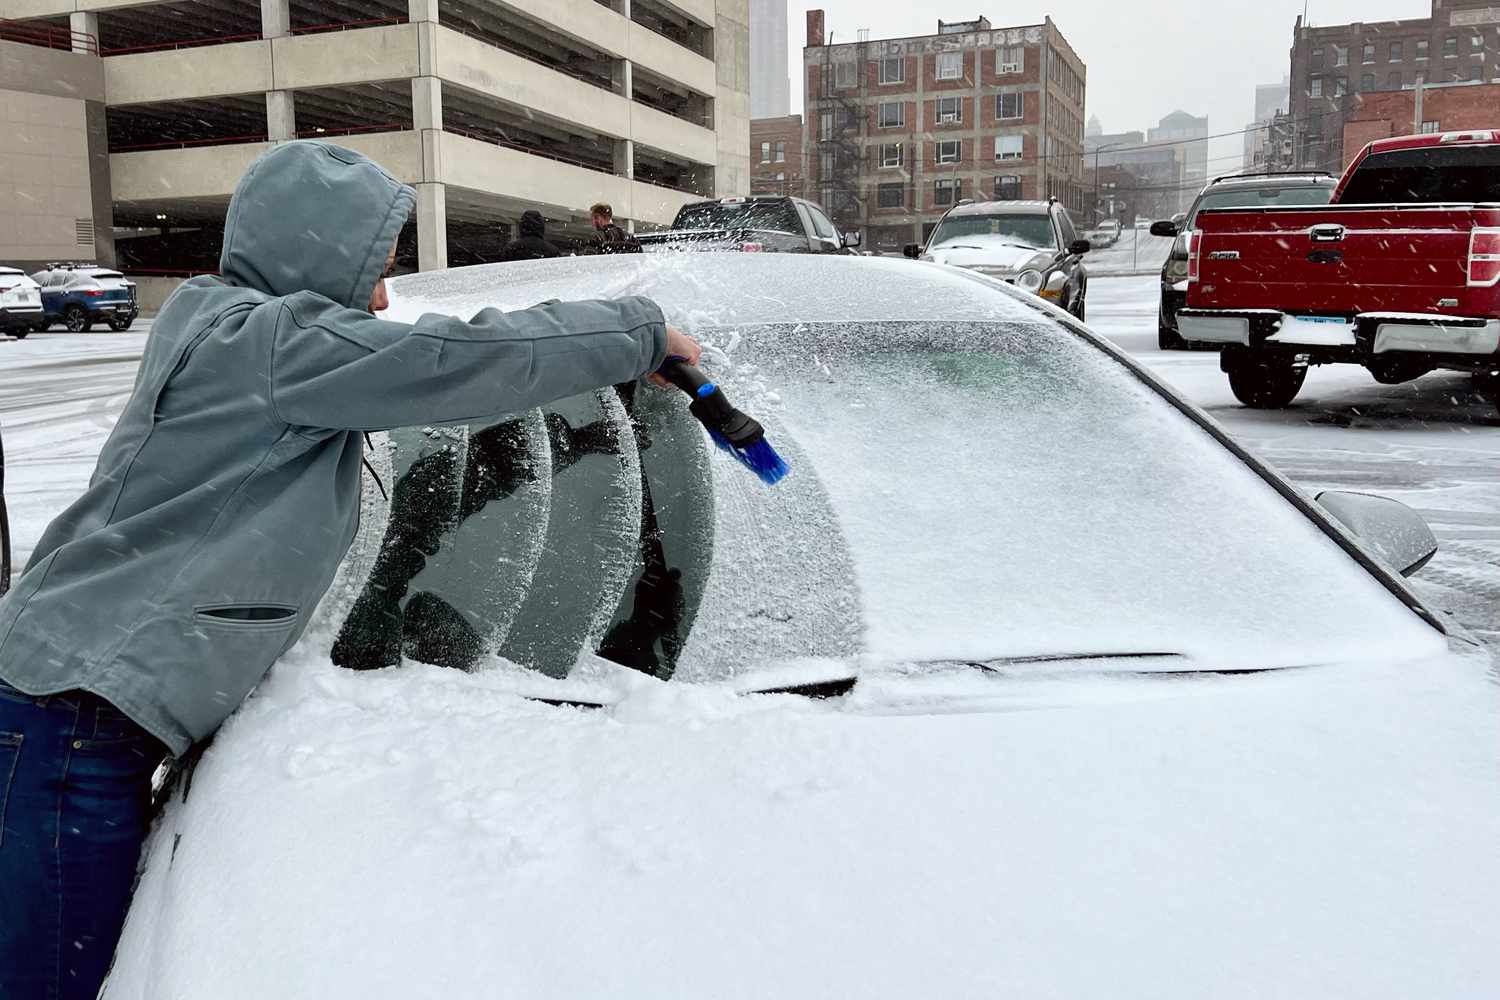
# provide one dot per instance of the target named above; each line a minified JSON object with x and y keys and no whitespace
{"x":1032,"y":230}
{"x":979,"y":489}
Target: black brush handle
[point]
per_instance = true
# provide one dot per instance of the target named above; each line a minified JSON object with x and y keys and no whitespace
{"x":710,"y":405}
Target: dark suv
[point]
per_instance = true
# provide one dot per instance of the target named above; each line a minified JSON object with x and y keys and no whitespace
{"x":80,"y":295}
{"x":1236,"y":191}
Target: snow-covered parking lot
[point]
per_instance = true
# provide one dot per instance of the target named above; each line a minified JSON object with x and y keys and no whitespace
{"x":1433,"y":443}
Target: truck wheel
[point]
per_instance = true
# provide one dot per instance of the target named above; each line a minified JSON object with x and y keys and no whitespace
{"x":1393,"y":371}
{"x":20,"y":332}
{"x":1264,"y":382}
{"x":76,"y":319}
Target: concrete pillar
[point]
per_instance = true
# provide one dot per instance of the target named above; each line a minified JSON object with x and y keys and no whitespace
{"x":426,"y":103}
{"x":84,"y":23}
{"x":422,"y":10}
{"x":432,"y":226}
{"x":275,"y":18}
{"x":624,"y":158}
{"x":281,"y":116}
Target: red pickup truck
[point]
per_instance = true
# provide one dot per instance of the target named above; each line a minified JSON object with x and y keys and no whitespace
{"x":1400,"y":273}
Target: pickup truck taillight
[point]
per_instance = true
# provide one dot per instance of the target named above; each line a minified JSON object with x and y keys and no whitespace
{"x":1484,"y":258}
{"x":93,"y":293}
{"x":1193,"y":239}
{"x":752,"y":247}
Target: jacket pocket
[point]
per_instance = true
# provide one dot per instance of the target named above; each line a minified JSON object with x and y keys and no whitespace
{"x":254,"y":617}
{"x":10,"y":759}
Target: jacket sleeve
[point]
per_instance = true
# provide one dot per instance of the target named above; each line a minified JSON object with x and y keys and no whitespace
{"x":339,"y":368}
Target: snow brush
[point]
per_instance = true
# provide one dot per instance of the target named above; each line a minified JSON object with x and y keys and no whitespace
{"x":740,"y":435}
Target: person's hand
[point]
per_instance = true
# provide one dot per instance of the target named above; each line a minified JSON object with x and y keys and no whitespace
{"x":679,"y":345}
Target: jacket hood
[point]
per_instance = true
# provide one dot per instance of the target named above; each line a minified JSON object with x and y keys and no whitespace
{"x":312,"y":216}
{"x":532,"y":224}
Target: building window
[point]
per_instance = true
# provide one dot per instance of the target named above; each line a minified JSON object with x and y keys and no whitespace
{"x":765,"y":152}
{"x":1008,"y":187}
{"x":950,"y":110}
{"x":1396,"y":50}
{"x":1340,"y":86}
{"x":1008,"y":147}
{"x":1341,"y":55}
{"x":846,"y":75}
{"x":1368,"y":53}
{"x":1010,"y":105}
{"x":781,"y":152}
{"x":948,"y":152}
{"x":892,"y":155}
{"x":1394,"y":81}
{"x":947,"y":192}
{"x":892,"y":114}
{"x":1317,"y":56}
{"x":891,"y":196}
{"x":1010,"y":59}
{"x":828,"y":162}
{"x":1315,"y":86}
{"x":825,"y":125}
{"x":1476,"y":43}
{"x":893,"y":70}
{"x":1367,"y":82}
{"x":950,"y":65}
{"x":1450,"y":46}
{"x":1421,"y":48}
{"x":1476,"y":71}
{"x":1429,"y":127}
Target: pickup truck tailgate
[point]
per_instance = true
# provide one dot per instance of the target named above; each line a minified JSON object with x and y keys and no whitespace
{"x":1339,"y":260}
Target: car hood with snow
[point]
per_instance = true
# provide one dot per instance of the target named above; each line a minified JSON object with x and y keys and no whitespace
{"x":1022,"y":680}
{"x":985,"y":252}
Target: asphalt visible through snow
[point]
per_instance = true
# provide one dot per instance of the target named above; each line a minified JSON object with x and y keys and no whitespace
{"x":1433,"y":443}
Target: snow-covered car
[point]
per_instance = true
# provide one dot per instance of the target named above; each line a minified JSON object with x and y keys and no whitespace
{"x":1030,"y":244}
{"x":20,"y":303}
{"x":1106,"y":234}
{"x":80,"y":295}
{"x":1027,"y":680}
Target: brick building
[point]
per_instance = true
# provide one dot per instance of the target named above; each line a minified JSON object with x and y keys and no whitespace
{"x":776,"y":156}
{"x":1444,"y":108}
{"x":901,"y":129}
{"x":1335,"y":67}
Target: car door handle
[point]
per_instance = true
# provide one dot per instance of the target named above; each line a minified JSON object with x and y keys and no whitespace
{"x":1329,"y":233}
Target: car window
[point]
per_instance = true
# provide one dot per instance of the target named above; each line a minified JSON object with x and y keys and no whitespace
{"x":1065,"y":224}
{"x":1259,"y":197}
{"x":775,"y":216}
{"x":1433,"y":174}
{"x":821,"y":226}
{"x":1033,"y":229}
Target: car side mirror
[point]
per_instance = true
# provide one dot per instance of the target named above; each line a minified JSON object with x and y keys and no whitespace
{"x":1388,"y":528}
{"x":1079,"y":247}
{"x":1164,"y":228}
{"x":912,"y":250}
{"x":853,"y":240}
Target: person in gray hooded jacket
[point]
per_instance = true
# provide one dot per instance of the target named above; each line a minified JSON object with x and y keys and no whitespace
{"x":218,"y":513}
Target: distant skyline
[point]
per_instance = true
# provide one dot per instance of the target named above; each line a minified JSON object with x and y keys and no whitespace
{"x":1145,"y":58}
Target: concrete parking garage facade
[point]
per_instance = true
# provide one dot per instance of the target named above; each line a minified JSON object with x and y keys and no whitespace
{"x":487,"y":107}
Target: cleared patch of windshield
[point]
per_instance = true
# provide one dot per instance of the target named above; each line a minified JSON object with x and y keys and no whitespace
{"x":1434,"y":174}
{"x":776,"y":216}
{"x":1032,"y":230}
{"x":1265,"y":197}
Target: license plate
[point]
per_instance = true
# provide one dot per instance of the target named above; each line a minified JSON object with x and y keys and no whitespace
{"x":1322,"y":319}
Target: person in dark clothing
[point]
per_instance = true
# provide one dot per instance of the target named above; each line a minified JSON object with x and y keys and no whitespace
{"x":608,"y":236}
{"x":532,"y":244}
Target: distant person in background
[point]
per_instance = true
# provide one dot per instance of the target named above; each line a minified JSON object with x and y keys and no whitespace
{"x":532,"y":244}
{"x":608,"y":236}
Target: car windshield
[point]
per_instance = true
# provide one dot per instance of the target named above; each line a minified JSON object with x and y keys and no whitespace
{"x":1030,"y":229}
{"x":962,"y":488}
{"x":775,"y":216}
{"x":1261,"y":197}
{"x":1431,"y":174}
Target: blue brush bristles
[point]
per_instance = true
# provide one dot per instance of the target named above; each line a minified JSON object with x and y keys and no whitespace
{"x":760,"y":458}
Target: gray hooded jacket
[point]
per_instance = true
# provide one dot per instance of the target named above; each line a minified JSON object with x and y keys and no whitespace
{"x":229,"y":490}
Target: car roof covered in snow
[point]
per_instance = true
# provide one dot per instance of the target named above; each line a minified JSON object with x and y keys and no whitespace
{"x":1010,"y":207}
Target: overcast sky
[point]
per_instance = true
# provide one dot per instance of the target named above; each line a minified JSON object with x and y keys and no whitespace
{"x":1145,"y":58}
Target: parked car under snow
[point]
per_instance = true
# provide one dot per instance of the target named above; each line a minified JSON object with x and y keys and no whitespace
{"x":1026,"y":680}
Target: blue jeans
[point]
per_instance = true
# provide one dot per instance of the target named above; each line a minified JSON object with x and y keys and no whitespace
{"x":75,"y":805}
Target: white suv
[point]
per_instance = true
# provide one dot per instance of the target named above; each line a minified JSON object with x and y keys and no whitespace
{"x":20,"y":303}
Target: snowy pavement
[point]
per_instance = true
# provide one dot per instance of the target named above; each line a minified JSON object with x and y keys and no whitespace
{"x":1433,"y":443}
